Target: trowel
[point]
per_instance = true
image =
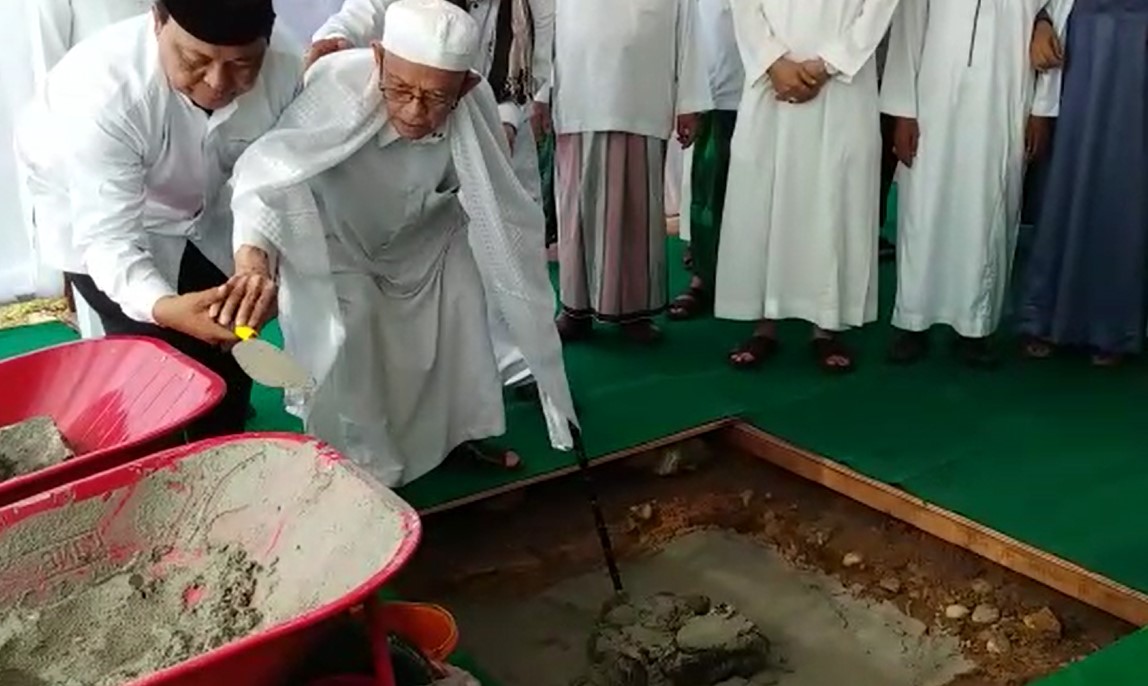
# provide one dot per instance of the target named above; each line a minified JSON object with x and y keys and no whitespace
{"x":266,"y":364}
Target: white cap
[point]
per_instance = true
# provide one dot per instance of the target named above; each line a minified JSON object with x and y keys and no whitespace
{"x":434,"y":33}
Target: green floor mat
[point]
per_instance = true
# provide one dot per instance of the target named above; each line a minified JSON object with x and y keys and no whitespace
{"x":1050,"y":453}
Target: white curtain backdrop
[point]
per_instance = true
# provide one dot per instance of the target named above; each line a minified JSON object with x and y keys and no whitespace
{"x":19,"y":276}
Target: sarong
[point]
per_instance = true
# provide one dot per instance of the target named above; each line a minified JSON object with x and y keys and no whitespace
{"x":611,"y":225}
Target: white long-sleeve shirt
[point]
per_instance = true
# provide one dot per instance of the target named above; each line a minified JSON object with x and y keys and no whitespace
{"x":627,"y":66}
{"x":57,"y":25}
{"x":124,"y":171}
{"x":361,"y":22}
{"x":723,"y":61}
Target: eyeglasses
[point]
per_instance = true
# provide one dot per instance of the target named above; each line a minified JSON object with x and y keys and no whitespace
{"x":405,"y":96}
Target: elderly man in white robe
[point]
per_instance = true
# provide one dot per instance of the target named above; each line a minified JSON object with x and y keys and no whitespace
{"x":385,"y":200}
{"x":971,"y":112}
{"x":515,"y":53}
{"x":799,"y":234}
{"x":128,"y":150}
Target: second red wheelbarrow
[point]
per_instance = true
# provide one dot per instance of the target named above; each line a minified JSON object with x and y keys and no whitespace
{"x":113,"y":399}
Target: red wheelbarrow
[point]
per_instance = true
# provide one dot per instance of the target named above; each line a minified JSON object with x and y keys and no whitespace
{"x":113,"y":399}
{"x":86,"y":568}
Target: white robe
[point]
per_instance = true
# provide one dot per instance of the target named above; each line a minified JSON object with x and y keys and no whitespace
{"x":361,"y":22}
{"x":799,"y":233}
{"x":971,"y":90}
{"x":56,"y":26}
{"x":395,"y":401}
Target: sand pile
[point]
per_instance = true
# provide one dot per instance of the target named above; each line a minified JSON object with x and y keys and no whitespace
{"x":136,"y":622}
{"x":30,"y":446}
{"x":669,"y":640}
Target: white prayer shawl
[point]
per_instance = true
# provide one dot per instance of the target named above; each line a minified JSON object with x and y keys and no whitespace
{"x":964,"y":76}
{"x":799,"y":229}
{"x":339,"y":111}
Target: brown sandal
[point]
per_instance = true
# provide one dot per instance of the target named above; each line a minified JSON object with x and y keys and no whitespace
{"x":825,"y":350}
{"x":689,"y":305}
{"x":759,"y":349}
{"x":1036,"y":348}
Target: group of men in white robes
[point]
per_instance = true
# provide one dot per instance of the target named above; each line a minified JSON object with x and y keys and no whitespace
{"x":189,"y":179}
{"x":800,"y":228}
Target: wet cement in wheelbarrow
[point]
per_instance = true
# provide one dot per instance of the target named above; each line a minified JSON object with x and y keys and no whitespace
{"x":29,"y":446}
{"x":265,"y":534}
{"x":136,"y":624}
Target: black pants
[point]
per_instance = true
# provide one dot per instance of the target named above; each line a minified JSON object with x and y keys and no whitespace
{"x":196,"y":273}
{"x":888,"y":163}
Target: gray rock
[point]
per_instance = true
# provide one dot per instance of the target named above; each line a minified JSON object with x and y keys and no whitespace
{"x":956,"y":612}
{"x":852,"y":559}
{"x":986,"y":614}
{"x":891,"y":584}
{"x":981,"y":587}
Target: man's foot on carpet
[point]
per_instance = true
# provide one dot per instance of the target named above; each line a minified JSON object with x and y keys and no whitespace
{"x":488,"y":454}
{"x":1107,"y":360}
{"x":909,"y":347}
{"x":642,"y":332}
{"x":831,"y":354}
{"x":687,"y":258}
{"x":754,"y":352}
{"x":572,"y":329}
{"x":1036,"y":349}
{"x":691,"y":304}
{"x":977,"y":353}
{"x":886,"y":249}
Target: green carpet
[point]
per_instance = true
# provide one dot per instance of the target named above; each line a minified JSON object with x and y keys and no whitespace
{"x":1050,"y":453}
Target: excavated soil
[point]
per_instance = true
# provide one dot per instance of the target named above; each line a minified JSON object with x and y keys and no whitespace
{"x":516,"y":547}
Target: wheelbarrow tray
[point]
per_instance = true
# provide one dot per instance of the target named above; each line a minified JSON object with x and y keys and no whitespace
{"x":114,"y":399}
{"x":267,"y":494}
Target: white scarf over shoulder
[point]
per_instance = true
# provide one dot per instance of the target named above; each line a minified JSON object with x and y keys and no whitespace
{"x":339,"y":110}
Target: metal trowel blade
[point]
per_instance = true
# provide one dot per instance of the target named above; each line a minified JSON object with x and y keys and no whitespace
{"x":268,"y":365}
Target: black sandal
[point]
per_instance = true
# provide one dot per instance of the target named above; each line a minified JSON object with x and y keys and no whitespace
{"x":826,"y":349}
{"x":689,"y":305}
{"x":489,"y":455}
{"x":1036,"y":348}
{"x":909,"y":347}
{"x":759,"y":349}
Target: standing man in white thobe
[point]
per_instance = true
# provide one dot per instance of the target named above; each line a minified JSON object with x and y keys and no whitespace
{"x":627,"y":76}
{"x":56,"y":26}
{"x":971,"y":112}
{"x":129,"y":148}
{"x":706,"y":171}
{"x":516,"y":56}
{"x":799,"y":235}
{"x":380,"y":196}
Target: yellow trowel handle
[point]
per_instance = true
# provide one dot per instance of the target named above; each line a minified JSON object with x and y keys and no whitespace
{"x":246,"y":333}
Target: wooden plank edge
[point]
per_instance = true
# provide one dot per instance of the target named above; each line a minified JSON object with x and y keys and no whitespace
{"x":655,"y":444}
{"x":1064,"y":576}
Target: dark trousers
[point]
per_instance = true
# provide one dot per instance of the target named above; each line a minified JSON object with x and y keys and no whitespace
{"x":888,"y":164}
{"x":196,"y":273}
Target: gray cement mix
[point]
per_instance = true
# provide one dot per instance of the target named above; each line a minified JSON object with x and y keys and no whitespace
{"x":819,"y":634}
{"x":29,"y":446}
{"x":226,"y":543}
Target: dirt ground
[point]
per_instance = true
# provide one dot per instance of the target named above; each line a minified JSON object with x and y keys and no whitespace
{"x":520,"y":544}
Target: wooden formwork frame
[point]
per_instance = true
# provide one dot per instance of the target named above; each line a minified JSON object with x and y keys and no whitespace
{"x":1057,"y":573}
{"x":1068,"y":578}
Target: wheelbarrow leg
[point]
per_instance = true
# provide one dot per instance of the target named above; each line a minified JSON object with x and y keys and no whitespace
{"x":596,"y":506}
{"x":380,"y":645}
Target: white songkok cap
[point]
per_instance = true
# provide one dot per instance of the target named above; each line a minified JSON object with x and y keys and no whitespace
{"x":434,"y":33}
